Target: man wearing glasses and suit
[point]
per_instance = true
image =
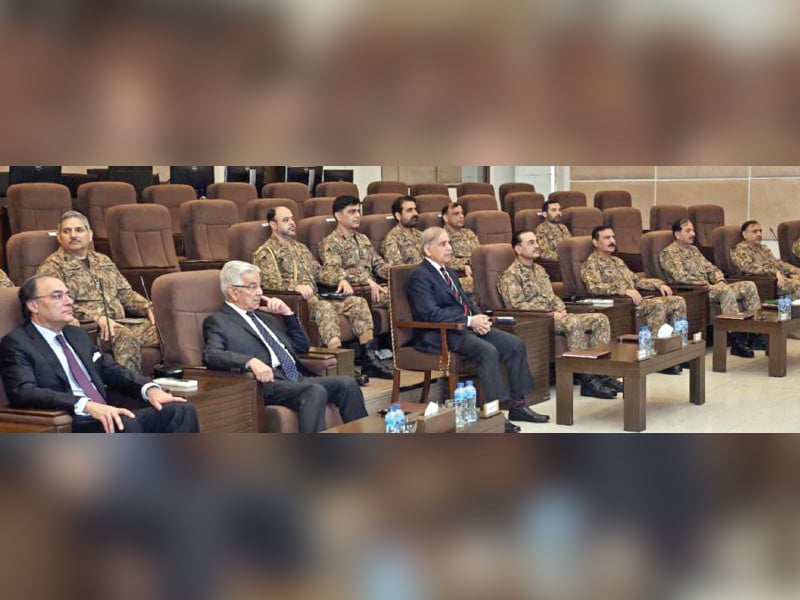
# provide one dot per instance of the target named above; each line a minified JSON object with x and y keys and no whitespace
{"x":243,"y":336}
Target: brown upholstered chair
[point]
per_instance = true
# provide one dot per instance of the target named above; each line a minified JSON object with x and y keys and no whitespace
{"x":239,"y":193}
{"x":476,"y":202}
{"x":36,"y":206}
{"x":405,"y":356}
{"x":605,"y":199}
{"x":337,"y":188}
{"x":379,"y":204}
{"x":376,"y":227}
{"x":429,"y":219}
{"x":24,"y":420}
{"x":245,"y":238}
{"x":140,"y":236}
{"x":205,"y":232}
{"x":258,"y":208}
{"x":650,"y":246}
{"x":513,"y":188}
{"x":25,"y":252}
{"x":314,"y":207}
{"x":491,"y":226}
{"x":627,"y":225}
{"x":724,"y":239}
{"x":417,"y":189}
{"x":788,"y":233}
{"x":312,"y":230}
{"x":94,"y":201}
{"x":298,"y":192}
{"x":515,"y":202}
{"x":527,"y":219}
{"x":387,"y":187}
{"x":432,"y":202}
{"x":181,"y":302}
{"x":171,"y":196}
{"x":706,"y":218}
{"x":580,"y":220}
{"x":662,"y":216}
{"x":568,"y":199}
{"x":469,"y":188}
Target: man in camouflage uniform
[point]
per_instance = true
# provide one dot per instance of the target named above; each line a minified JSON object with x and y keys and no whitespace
{"x":463,"y":241}
{"x":551,"y":230}
{"x":752,"y":257}
{"x":96,"y":284}
{"x":796,"y":248}
{"x":526,"y":286}
{"x":606,"y":275}
{"x":288,"y":265}
{"x":4,"y":280}
{"x":403,"y":244}
{"x":684,"y":264}
{"x":347,"y":254}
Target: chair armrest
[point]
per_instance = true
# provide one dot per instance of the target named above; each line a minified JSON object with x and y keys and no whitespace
{"x":428,"y":325}
{"x":518,"y":312}
{"x":319,"y":364}
{"x":34,"y":420}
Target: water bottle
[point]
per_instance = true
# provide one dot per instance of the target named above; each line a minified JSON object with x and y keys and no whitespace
{"x":459,"y":398}
{"x":400,"y":419}
{"x":391,"y":419}
{"x":784,"y":308}
{"x":472,"y":402}
{"x":646,"y":341}
{"x":682,"y":328}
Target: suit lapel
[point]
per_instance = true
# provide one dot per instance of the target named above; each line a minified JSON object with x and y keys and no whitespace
{"x":83,"y":352}
{"x":41,"y":346}
{"x":240,"y":321}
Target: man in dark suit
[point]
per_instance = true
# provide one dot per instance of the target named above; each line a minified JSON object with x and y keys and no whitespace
{"x":436,"y":295}
{"x":49,"y":364}
{"x":241,"y":336}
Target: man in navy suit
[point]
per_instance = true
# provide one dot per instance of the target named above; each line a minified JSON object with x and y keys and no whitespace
{"x":49,"y":364}
{"x":436,"y":295}
{"x":241,"y":336}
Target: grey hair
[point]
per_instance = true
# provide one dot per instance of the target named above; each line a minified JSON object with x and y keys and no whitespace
{"x":232,"y":272}
{"x":430,"y":235}
{"x":74,"y":214}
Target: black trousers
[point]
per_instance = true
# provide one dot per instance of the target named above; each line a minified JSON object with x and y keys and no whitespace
{"x":175,"y":417}
{"x":490,"y":351}
{"x":309,"y":397}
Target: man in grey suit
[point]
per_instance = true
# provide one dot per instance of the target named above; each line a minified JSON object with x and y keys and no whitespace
{"x":243,"y":336}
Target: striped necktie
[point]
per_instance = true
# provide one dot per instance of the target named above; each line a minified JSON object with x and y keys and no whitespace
{"x":287,"y":362}
{"x":454,"y":291}
{"x":80,"y":377}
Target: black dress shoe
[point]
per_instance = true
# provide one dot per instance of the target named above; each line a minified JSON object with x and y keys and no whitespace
{"x":595,"y":389}
{"x":757,"y":342}
{"x":511,"y":428}
{"x":612,"y":382}
{"x":361,"y":380}
{"x":676,"y":370}
{"x":526,"y":414}
{"x":741,"y":351}
{"x":373,"y":367}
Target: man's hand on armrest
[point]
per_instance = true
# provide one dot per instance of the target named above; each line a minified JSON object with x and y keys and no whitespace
{"x":262,"y":372}
{"x":480,"y":324}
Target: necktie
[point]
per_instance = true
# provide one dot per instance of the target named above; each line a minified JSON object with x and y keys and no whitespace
{"x":454,"y":291}
{"x":77,"y":373}
{"x":286,"y":360}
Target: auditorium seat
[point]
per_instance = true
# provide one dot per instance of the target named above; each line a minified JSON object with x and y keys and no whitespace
{"x":612,"y":199}
{"x":476,"y":202}
{"x":336,"y":188}
{"x":514,"y":202}
{"x":290,"y":189}
{"x":662,"y":216}
{"x":417,"y":189}
{"x":527,"y":219}
{"x":25,"y":252}
{"x":314,"y":207}
{"x":706,"y":218}
{"x":258,"y":208}
{"x":182,"y":301}
{"x":379,"y":204}
{"x":581,"y":220}
{"x":788,"y":233}
{"x":432,"y":202}
{"x":491,"y":226}
{"x":312,"y":230}
{"x":36,"y":206}
{"x":568,"y":199}
{"x":627,"y":225}
{"x":387,"y":187}
{"x":237,"y":192}
{"x":94,"y":201}
{"x":205,"y":232}
{"x":376,"y":227}
{"x":429,"y":219}
{"x":171,"y":196}
{"x":515,"y":187}
{"x":468,"y":188}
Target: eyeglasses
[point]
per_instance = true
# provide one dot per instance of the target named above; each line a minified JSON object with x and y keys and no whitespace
{"x":251,"y":287}
{"x":57,"y":296}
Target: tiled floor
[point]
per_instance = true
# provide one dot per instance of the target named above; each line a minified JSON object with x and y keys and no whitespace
{"x":744,"y":399}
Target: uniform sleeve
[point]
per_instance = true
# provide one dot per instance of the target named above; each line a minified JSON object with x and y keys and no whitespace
{"x":647,"y":283}
{"x":270,"y":271}
{"x":671,"y":266}
{"x":713,"y":273}
{"x":592,"y":276}
{"x":5,"y":281}
{"x":49,"y":268}
{"x":379,"y":266}
{"x":390,"y":248}
{"x":796,"y":248}
{"x":746,"y":262}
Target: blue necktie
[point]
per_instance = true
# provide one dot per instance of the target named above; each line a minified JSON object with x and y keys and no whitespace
{"x":454,"y":291}
{"x":286,"y":360}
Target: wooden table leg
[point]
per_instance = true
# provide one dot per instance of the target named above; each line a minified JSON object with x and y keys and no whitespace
{"x":564,"y":411}
{"x":777,"y":354}
{"x":635,"y":402}
{"x":697,"y":380}
{"x":720,"y":350}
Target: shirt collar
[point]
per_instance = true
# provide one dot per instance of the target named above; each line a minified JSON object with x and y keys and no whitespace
{"x":436,"y":265}
{"x":239,"y":311}
{"x":48,"y":334}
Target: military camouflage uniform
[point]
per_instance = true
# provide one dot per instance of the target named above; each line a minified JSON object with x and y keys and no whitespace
{"x":352,"y":257}
{"x":4,"y":280}
{"x":758,"y":260}
{"x":284,"y":266}
{"x":548,"y":235}
{"x":463,"y":241}
{"x":687,"y":266}
{"x":83,"y":283}
{"x":609,"y":276}
{"x":529,"y":288}
{"x":402,"y":246}
{"x":796,"y":248}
